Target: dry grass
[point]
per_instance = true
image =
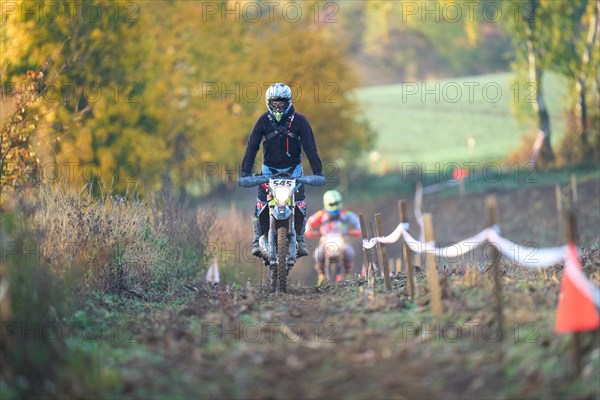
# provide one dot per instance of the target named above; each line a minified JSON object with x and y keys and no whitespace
{"x":60,"y":249}
{"x":231,"y":243}
{"x":118,"y":244}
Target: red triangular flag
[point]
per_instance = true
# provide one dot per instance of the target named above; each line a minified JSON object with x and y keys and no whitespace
{"x":576,"y":312}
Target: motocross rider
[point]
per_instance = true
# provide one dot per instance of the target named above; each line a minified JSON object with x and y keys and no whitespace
{"x":284,"y":133}
{"x":323,"y":220}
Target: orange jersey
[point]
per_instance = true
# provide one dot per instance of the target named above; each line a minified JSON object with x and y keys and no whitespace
{"x":322,"y":222}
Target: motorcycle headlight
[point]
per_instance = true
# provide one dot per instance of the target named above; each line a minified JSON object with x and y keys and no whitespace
{"x":282,"y":193}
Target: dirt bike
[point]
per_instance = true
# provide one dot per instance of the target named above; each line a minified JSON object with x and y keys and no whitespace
{"x":278,"y":246}
{"x":333,"y":244}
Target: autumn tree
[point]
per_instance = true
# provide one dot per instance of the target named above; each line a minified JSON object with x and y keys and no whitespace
{"x":84,"y":109}
{"x":527,"y":22}
{"x":577,"y":60}
{"x":170,"y":90}
{"x":18,"y":160}
{"x":557,"y":36}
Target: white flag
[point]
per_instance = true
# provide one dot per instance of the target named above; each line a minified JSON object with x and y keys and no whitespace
{"x":212,"y":275}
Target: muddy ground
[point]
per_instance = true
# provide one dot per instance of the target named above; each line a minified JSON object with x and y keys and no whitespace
{"x":336,"y":341}
{"x":342,"y":341}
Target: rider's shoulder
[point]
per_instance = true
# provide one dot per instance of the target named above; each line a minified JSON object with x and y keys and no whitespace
{"x":262,"y":121}
{"x":348,"y":213}
{"x":318,"y":214}
{"x":299,"y":117}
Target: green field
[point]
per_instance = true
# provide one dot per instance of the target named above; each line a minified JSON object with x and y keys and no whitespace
{"x":432,"y":121}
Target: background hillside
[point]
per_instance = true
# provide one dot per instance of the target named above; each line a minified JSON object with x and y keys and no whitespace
{"x":463,"y":119}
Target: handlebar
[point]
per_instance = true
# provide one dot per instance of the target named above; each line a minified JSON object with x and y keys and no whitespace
{"x":249,"y":181}
{"x":311,"y":180}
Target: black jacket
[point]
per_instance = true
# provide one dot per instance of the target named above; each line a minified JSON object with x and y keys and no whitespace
{"x":275,"y":149}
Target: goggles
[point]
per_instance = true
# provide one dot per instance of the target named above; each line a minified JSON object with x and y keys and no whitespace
{"x":278,"y":104}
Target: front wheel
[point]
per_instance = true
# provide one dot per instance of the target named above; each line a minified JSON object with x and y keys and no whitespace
{"x":282,"y":252}
{"x":273,"y":278}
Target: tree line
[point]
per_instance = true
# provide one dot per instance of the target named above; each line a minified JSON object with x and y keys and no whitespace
{"x":148,"y":91}
{"x":143,"y":92}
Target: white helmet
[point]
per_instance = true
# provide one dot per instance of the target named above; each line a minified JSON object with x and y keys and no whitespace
{"x":279,"y":100}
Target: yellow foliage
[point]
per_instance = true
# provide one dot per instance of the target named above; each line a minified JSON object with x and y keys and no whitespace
{"x":471,"y":32}
{"x":176,"y":94}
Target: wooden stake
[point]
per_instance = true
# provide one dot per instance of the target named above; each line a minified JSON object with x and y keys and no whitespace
{"x":419,"y":204}
{"x":383,"y":253}
{"x":407,"y":252}
{"x":574,"y":189}
{"x":432,"y":274}
{"x":572,"y":227}
{"x":559,"y":210}
{"x":366,"y":259}
{"x":373,"y":260}
{"x":491,"y":205}
{"x":467,"y":278}
{"x":375,"y":250}
{"x":577,"y":336}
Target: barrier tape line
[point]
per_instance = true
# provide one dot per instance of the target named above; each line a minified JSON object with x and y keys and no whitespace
{"x":530,"y":257}
{"x":527,"y":256}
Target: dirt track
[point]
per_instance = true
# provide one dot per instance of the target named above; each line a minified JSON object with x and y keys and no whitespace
{"x":335,"y":341}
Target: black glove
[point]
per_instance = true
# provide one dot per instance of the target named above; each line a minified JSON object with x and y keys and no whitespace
{"x":319,"y":173}
{"x":244,"y":174}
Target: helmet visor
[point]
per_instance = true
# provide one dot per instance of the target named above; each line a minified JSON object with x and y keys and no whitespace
{"x":333,"y":205}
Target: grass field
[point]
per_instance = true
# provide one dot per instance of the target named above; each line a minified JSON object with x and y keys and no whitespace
{"x":432,"y":121}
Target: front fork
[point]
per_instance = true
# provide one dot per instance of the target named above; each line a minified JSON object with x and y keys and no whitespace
{"x":273,"y":225}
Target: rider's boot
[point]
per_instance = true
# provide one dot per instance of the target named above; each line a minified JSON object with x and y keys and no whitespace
{"x":321,"y":278}
{"x":257,"y":233}
{"x":301,"y":250}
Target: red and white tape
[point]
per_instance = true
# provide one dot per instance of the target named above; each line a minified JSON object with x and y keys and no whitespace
{"x":530,"y":257}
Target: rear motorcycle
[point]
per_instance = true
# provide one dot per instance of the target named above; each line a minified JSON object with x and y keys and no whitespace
{"x":278,"y":245}
{"x":333,"y":244}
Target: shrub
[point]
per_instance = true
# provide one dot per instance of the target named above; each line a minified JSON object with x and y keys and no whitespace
{"x":120,"y":245}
